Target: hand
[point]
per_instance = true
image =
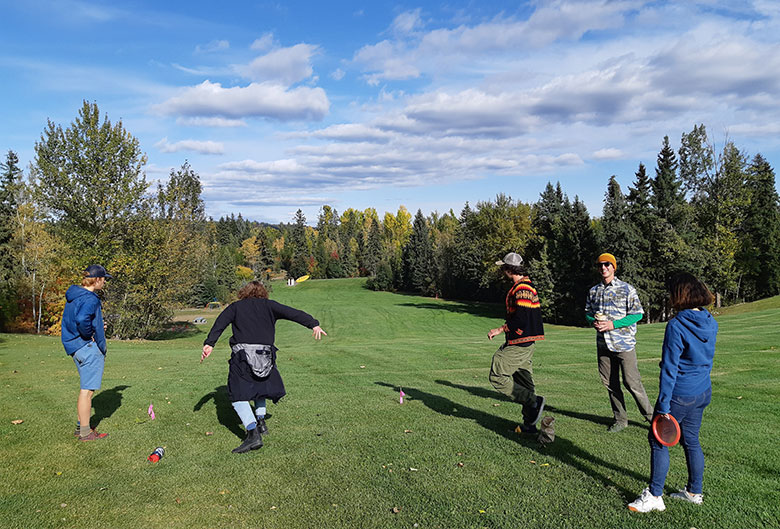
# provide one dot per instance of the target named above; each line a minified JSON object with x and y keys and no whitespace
{"x":318,"y":333}
{"x":604,"y":326}
{"x":206,"y":352}
{"x":495,"y":332}
{"x":666,"y":416}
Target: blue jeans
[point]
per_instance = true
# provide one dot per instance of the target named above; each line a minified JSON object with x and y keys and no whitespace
{"x":688,"y":412}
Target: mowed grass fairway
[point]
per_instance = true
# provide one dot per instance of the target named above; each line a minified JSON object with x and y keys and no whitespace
{"x":342,"y":451}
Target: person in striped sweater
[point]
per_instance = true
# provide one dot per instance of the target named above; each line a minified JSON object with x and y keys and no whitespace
{"x":511,"y":371}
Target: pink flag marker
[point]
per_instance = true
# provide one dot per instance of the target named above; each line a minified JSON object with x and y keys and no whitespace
{"x":150,"y":411}
{"x":401,"y":396}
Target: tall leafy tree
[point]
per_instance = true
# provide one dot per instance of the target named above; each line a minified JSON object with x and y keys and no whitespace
{"x":90,"y":180}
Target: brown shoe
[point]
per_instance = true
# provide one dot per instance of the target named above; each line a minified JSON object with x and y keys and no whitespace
{"x":94,"y":436}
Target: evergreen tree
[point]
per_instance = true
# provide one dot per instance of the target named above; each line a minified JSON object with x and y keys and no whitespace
{"x":9,"y":180}
{"x":575,"y":271}
{"x":668,"y":196}
{"x":647,"y":278}
{"x":759,"y":254}
{"x":372,"y":250}
{"x":418,"y":264}
{"x":299,"y":264}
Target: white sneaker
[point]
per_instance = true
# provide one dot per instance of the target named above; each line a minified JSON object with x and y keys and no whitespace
{"x":646,"y":502}
{"x":687,"y":496}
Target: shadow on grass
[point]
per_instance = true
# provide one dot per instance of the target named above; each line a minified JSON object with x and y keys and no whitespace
{"x":176,"y":330}
{"x":226,"y":415}
{"x":106,"y":403}
{"x":562,"y":449}
{"x":483,"y":310}
{"x":489,"y":394}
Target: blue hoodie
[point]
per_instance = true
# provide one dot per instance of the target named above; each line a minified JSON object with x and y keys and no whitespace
{"x":686,"y":358}
{"x":82,"y":320}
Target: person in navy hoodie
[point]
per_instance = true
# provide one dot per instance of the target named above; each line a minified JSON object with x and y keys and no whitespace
{"x":84,"y":338}
{"x":684,"y":389}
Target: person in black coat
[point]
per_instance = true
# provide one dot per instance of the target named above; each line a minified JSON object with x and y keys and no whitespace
{"x":253,"y":374}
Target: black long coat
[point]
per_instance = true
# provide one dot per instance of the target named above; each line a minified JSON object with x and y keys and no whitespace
{"x":254,"y":321}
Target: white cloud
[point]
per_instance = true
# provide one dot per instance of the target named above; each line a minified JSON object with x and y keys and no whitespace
{"x":265,"y":42}
{"x":337,"y":74}
{"x":202,"y":147}
{"x":407,"y":22}
{"x":285,"y":65}
{"x":213,"y":47}
{"x":211,"y":122}
{"x":608,"y":154}
{"x":256,"y":100}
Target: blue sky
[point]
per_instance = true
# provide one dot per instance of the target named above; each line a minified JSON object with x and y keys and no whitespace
{"x":287,"y":105}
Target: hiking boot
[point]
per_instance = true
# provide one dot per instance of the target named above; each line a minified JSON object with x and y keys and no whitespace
{"x":253,"y":441}
{"x":94,"y":435}
{"x":262,"y":427}
{"x":536,"y":414}
{"x":688,"y":496}
{"x":529,"y":428}
{"x":646,"y":502}
{"x":617,"y":427}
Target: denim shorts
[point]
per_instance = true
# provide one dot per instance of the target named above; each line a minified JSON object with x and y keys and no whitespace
{"x":90,"y":362}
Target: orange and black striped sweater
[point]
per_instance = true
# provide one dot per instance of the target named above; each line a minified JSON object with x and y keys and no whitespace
{"x":523,"y":314}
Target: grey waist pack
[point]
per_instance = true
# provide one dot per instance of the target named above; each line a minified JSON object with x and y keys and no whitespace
{"x":260,"y":357}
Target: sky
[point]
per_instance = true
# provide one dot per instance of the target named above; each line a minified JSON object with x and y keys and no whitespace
{"x":287,"y":105}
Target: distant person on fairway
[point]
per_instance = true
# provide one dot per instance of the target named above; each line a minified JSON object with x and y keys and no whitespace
{"x":613,"y":308}
{"x":684,"y":389}
{"x":252,"y":374}
{"x":84,"y":338}
{"x":511,"y":370}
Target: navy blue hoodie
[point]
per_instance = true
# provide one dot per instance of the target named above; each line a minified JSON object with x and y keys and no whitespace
{"x":82,"y":320}
{"x":686,"y":358}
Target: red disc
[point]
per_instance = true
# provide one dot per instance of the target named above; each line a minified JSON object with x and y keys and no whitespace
{"x":666,"y":431}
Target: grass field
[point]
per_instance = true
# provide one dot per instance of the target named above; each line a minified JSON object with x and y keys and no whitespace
{"x":342,"y":451}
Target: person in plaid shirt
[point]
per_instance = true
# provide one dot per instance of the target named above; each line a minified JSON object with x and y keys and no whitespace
{"x":613,"y":308}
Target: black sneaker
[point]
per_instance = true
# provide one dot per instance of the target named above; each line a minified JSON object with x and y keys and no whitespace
{"x":529,"y":428}
{"x":536,"y":414}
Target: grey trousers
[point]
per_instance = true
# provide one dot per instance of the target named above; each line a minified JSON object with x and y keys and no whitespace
{"x":611,"y":365}
{"x":511,"y":373}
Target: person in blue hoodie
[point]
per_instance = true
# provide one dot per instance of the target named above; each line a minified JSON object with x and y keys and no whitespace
{"x":84,"y":338}
{"x":684,"y":390}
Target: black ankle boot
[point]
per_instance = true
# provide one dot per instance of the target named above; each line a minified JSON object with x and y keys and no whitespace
{"x":253,"y":441}
{"x":262,"y":427}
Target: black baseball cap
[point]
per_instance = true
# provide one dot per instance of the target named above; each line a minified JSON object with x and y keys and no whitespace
{"x":97,"y":271}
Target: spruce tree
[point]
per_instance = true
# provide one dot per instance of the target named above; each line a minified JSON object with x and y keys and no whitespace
{"x":9,"y":179}
{"x":418,"y":264}
{"x":759,"y":254}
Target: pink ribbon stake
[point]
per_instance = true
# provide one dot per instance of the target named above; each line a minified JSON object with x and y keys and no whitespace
{"x":401,"y":396}
{"x":150,"y":411}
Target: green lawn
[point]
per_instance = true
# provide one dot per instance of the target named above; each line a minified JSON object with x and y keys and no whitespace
{"x":342,"y":451}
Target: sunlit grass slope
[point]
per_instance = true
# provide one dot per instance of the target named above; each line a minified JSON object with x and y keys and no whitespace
{"x":343,"y":452}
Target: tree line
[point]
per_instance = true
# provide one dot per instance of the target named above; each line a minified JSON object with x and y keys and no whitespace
{"x":85,"y":199}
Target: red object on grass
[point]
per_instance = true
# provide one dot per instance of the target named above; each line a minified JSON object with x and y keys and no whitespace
{"x":666,"y":431}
